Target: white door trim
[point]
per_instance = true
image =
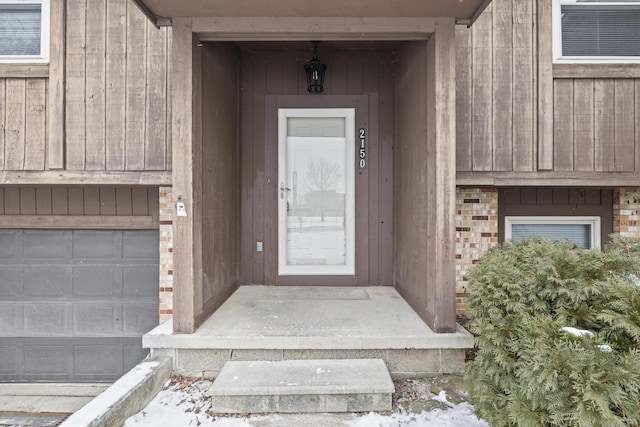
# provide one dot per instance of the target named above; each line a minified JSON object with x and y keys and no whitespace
{"x":348,"y":268}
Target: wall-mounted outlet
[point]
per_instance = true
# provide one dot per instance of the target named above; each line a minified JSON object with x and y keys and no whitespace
{"x":258,"y":246}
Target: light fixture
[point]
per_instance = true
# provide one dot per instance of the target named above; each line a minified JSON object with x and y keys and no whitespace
{"x":315,"y":72}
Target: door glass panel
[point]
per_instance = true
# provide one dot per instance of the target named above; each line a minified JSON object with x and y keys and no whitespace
{"x":316,"y":126}
{"x":316,"y":197}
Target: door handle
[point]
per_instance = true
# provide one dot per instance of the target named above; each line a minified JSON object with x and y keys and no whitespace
{"x":282,"y":190}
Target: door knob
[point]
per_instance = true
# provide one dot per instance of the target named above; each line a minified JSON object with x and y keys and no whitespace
{"x":282,"y":190}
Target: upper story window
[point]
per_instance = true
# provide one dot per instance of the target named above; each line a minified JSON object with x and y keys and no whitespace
{"x":598,"y":31}
{"x":24,"y":31}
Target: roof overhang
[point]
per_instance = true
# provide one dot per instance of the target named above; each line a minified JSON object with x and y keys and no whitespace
{"x":162,"y":11}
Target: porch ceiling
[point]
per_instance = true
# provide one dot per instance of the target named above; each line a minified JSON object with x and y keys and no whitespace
{"x":462,"y":9}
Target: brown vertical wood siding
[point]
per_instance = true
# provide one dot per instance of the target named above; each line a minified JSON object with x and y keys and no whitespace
{"x":269,"y":70}
{"x":23,"y":117}
{"x":117,"y":68}
{"x":206,"y":240}
{"x":413,"y":265}
{"x":117,"y":111}
{"x":116,"y":80}
{"x":424,"y":267}
{"x":516,"y":113}
{"x":78,"y":207}
{"x":496,"y":89}
{"x":220,"y":177}
{"x":596,"y":125}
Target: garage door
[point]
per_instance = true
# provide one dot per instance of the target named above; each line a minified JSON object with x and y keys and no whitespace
{"x":75,"y":303}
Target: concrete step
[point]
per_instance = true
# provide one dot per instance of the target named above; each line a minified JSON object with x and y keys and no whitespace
{"x":328,"y":385}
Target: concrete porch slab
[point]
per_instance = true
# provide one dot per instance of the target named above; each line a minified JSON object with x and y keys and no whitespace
{"x":284,"y":323}
{"x":264,"y":317}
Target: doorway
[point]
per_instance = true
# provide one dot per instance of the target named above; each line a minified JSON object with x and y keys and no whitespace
{"x":313,"y":211}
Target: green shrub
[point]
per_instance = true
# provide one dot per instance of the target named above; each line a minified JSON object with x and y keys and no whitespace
{"x":530,"y":372}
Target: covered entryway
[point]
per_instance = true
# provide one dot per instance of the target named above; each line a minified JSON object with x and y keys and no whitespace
{"x":232,"y":65}
{"x":74,"y":303}
{"x":241,"y":187}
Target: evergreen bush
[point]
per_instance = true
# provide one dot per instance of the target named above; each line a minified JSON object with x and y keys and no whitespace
{"x":529,"y":371}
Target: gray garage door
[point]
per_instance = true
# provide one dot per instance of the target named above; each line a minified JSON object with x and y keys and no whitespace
{"x":75,"y":303}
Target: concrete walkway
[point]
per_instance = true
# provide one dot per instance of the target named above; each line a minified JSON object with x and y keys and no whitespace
{"x":47,"y":397}
{"x":43,"y":404}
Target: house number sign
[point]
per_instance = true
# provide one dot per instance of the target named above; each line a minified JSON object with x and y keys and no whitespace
{"x":363,"y":149}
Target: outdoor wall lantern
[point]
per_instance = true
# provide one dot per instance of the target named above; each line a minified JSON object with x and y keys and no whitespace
{"x":315,"y":73}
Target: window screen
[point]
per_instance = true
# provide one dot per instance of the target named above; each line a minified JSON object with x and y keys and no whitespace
{"x":580,"y":234}
{"x":600,"y":29}
{"x":20,"y":30}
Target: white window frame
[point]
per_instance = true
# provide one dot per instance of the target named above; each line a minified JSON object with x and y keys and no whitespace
{"x":45,"y":33}
{"x":593,"y":221}
{"x":557,"y":37}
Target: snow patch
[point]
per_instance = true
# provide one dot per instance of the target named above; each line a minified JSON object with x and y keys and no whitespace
{"x":635,"y":280}
{"x":458,"y":416}
{"x":577,"y":332}
{"x":190,"y":407}
{"x":442,"y":398}
{"x":584,"y":333}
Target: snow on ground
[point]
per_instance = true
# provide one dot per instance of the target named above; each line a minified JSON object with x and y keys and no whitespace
{"x":458,"y":416}
{"x":184,"y":402}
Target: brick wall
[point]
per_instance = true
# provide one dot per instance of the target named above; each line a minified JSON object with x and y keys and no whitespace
{"x":626,"y":205}
{"x":477,"y":227}
{"x":476,"y":232}
{"x":166,"y":254}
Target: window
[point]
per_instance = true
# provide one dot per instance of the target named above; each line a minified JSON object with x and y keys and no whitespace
{"x":584,"y":215}
{"x":24,"y":31}
{"x":584,"y":231}
{"x":596,"y":30}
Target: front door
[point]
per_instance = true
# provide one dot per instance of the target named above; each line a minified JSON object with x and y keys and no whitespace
{"x":316,"y":185}
{"x":316,"y":195}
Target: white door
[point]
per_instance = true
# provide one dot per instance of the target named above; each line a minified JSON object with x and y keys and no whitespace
{"x":316,"y":200}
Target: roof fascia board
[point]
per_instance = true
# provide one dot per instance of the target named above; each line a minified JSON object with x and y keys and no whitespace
{"x":160,"y":21}
{"x":278,"y":29}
